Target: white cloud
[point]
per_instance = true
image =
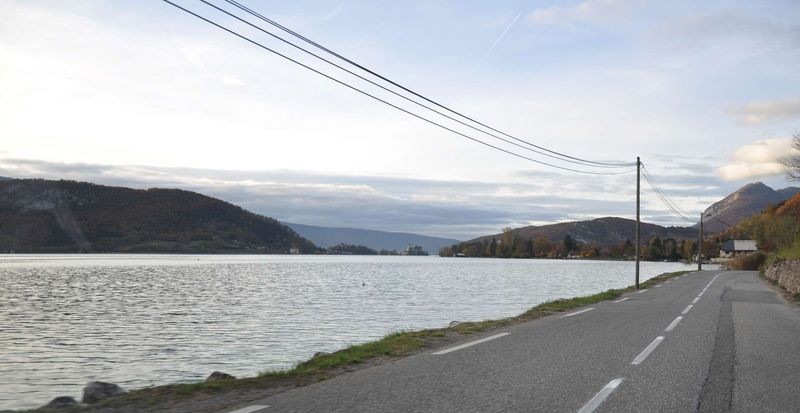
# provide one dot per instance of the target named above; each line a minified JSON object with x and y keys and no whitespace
{"x":766,"y":111}
{"x":455,"y":208}
{"x":758,"y":159}
{"x":730,"y":30}
{"x":589,"y":11}
{"x":232,"y":81}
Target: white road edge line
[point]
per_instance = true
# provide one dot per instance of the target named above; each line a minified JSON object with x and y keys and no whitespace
{"x":601,"y":396}
{"x":657,"y":286}
{"x":674,"y":323}
{"x":647,"y":350}
{"x":701,"y":294}
{"x":687,"y":309}
{"x":667,"y":282}
{"x":695,"y":300}
{"x":250,"y":409}
{"x":641,"y":291}
{"x":577,"y":312}
{"x":470,"y":344}
{"x":621,"y":300}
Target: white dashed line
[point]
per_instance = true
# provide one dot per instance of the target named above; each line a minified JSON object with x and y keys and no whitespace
{"x":641,"y":291}
{"x":695,"y":300}
{"x":577,"y":312}
{"x":687,"y":309}
{"x":647,"y":350}
{"x":250,"y":409}
{"x":621,"y":300}
{"x":470,"y":344}
{"x":600,"y":396}
{"x":673,"y":324}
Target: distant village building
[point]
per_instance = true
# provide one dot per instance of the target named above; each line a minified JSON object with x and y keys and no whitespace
{"x":734,"y":247}
{"x":294,"y":250}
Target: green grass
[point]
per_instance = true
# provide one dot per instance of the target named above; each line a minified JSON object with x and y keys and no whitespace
{"x":790,"y":252}
{"x":394,"y":345}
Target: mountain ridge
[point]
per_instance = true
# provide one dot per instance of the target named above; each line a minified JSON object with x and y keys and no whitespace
{"x":379,"y":240}
{"x":604,"y":231}
{"x":750,"y":199}
{"x":38,"y":215}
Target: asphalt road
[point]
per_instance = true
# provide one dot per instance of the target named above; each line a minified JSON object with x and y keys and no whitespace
{"x":737,"y":348}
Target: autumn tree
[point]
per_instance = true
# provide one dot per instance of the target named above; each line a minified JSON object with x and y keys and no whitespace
{"x":791,"y":162}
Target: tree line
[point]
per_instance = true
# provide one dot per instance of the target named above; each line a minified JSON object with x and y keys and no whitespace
{"x":349,"y":249}
{"x":511,"y":246}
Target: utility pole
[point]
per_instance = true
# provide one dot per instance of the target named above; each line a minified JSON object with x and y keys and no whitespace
{"x":700,"y":246}
{"x":638,"y":172}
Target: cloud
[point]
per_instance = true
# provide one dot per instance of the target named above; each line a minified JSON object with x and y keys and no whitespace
{"x":767,"y":111}
{"x":755,"y":160}
{"x":232,"y":81}
{"x":730,"y":30}
{"x":589,"y":11}
{"x":459,"y":209}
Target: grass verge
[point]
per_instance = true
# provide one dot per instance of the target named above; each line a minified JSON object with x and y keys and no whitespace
{"x":396,"y":345}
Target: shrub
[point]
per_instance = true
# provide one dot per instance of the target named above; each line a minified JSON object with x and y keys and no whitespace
{"x":748,"y":262}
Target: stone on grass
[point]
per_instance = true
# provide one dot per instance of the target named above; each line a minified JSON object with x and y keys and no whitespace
{"x":98,"y":390}
{"x":218,"y":375}
{"x":454,"y":323}
{"x":61,"y":402}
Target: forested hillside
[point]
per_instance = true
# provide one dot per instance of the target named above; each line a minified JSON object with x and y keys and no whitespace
{"x":608,"y":237}
{"x":66,"y":216}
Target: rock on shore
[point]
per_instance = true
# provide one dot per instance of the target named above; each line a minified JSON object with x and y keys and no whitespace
{"x":98,"y":390}
{"x":218,"y":375}
{"x":61,"y":402}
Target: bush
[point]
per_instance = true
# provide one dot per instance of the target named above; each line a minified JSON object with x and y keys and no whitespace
{"x":748,"y":262}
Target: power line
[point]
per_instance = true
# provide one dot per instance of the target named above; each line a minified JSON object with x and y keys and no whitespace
{"x":566,"y":157}
{"x":540,"y":152}
{"x":243,"y":37}
{"x":671,"y":204}
{"x":721,"y":221}
{"x":663,"y":196}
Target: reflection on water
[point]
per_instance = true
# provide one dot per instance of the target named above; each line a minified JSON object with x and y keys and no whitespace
{"x":140,"y":320}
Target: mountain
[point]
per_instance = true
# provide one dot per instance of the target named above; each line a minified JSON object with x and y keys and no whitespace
{"x":39,"y":215}
{"x":603,"y":231}
{"x":378,"y":240}
{"x":746,"y":201}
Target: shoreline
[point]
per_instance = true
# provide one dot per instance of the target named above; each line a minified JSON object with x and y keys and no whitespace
{"x":325,"y":366}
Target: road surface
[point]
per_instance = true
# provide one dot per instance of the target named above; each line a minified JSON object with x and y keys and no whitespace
{"x":709,"y":341}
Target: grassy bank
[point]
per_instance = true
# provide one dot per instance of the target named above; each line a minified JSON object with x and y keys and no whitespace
{"x":393,"y":346}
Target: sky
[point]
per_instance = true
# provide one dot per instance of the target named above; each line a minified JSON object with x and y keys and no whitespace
{"x":141,"y":94}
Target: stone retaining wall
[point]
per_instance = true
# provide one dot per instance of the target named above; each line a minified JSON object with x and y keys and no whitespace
{"x":786,"y":274}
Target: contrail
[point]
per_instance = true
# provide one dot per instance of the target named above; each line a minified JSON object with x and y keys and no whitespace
{"x":496,"y":41}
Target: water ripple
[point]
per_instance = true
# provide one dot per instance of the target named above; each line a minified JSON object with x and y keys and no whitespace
{"x":154,"y":319}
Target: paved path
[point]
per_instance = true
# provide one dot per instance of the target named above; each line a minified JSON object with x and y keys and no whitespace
{"x":710,"y":341}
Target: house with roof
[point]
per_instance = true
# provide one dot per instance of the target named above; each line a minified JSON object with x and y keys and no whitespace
{"x":734,"y":247}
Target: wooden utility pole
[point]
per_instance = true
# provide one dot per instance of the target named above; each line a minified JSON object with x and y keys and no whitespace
{"x":700,"y":246}
{"x":638,"y":172}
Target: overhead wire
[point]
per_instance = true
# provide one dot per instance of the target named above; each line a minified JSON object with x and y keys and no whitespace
{"x":256,"y":43}
{"x":671,"y":204}
{"x":565,"y":157}
{"x":664,"y":197}
{"x":540,"y":152}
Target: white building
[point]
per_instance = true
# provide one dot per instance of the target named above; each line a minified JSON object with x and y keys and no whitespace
{"x":734,"y":247}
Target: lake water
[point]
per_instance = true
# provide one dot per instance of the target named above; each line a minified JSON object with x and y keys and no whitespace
{"x":140,"y":320}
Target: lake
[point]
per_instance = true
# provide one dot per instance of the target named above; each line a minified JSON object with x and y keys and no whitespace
{"x":140,"y":320}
